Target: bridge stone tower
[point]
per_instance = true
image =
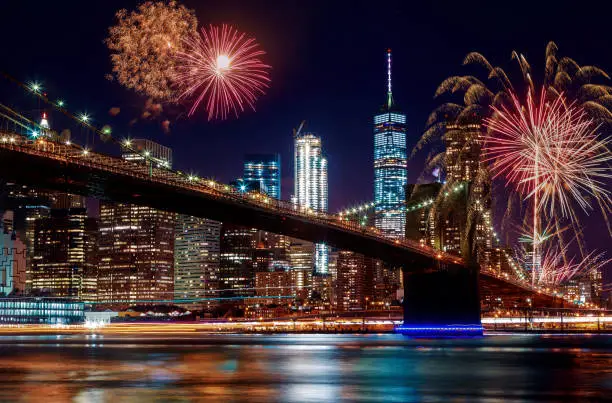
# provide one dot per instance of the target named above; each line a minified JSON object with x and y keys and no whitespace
{"x":442,"y":299}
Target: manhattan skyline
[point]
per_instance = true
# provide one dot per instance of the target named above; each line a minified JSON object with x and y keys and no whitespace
{"x":324,"y":71}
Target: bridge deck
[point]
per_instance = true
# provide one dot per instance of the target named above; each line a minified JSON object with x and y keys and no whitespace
{"x":72,"y":157}
{"x":68,"y":167}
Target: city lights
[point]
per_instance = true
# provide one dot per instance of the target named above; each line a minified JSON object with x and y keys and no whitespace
{"x":162,"y":240}
{"x":200,"y":262}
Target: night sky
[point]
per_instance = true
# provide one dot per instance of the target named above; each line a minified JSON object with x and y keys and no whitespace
{"x":328,"y":61}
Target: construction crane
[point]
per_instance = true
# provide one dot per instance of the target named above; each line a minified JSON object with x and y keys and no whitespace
{"x":299,"y":129}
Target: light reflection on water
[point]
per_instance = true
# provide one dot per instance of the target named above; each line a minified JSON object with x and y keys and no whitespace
{"x":305,"y":368}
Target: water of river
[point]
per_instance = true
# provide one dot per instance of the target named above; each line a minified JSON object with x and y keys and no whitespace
{"x":305,"y":368}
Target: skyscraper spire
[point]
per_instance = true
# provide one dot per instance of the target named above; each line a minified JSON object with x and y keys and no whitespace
{"x":390,"y":158}
{"x":389,"y":94}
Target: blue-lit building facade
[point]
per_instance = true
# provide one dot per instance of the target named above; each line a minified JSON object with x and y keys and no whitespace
{"x":41,"y":310}
{"x":390,"y":162}
{"x":265,"y":171}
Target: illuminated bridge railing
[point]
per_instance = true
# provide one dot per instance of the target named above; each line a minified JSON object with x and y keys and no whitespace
{"x":74,"y":154}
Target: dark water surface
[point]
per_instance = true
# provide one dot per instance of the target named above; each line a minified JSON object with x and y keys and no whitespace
{"x":305,"y":368}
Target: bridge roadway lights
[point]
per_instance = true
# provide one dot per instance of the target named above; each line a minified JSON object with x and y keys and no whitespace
{"x":441,"y":302}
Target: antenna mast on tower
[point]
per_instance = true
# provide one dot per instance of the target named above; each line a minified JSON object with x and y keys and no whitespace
{"x":389,"y":95}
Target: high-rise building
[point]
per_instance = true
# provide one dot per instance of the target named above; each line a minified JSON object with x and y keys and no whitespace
{"x":264,"y":169}
{"x":28,"y":205}
{"x":196,"y":260}
{"x":89,"y":281}
{"x":390,"y":162}
{"x":463,"y":152}
{"x":301,"y":260}
{"x":464,"y":164}
{"x":136,"y":243}
{"x":236,"y":271}
{"x":62,"y":255}
{"x":310,"y":179}
{"x":498,"y":261}
{"x":275,"y":283}
{"x":136,"y":249}
{"x":310,"y":186}
{"x":387,"y":282}
{"x":354,"y":286}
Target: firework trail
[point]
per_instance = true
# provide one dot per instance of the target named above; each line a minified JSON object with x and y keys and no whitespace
{"x":221,"y":69}
{"x":143,"y":43}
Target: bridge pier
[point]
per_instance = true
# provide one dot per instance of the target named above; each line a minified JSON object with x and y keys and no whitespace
{"x":441,"y":302}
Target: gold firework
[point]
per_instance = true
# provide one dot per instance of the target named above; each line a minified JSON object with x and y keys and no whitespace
{"x":143,"y":44}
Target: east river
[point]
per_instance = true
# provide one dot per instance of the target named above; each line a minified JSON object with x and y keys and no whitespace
{"x":304,"y":368}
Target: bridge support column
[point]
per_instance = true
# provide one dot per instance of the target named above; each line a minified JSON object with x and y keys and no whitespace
{"x":441,"y":303}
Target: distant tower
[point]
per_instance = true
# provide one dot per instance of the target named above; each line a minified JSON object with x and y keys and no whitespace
{"x":390,"y":161}
{"x":44,"y":121}
{"x":310,"y":191}
{"x":264,"y":170}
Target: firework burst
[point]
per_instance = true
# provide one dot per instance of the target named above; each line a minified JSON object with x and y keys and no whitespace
{"x":143,"y":44}
{"x":555,"y":270}
{"x":547,"y":149}
{"x":550,"y":151}
{"x":221,"y":69}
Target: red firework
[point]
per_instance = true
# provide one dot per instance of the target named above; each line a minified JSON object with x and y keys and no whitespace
{"x":549,"y":151}
{"x":222,"y":70}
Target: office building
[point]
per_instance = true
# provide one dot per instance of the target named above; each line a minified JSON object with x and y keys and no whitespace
{"x":63,"y":253}
{"x":136,"y":248}
{"x":390,"y":162}
{"x":196,"y":261}
{"x":265,"y":170}
{"x":386,"y":284}
{"x":310,"y":186}
{"x":51,"y":311}
{"x":136,"y":243}
{"x":354,"y":287}
{"x":301,"y":260}
{"x":278,"y":282}
{"x":236,"y":271}
{"x":464,"y":164}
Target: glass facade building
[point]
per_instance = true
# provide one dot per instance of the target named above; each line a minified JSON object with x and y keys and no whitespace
{"x":310,"y":183}
{"x":265,"y":170}
{"x":390,"y":161}
{"x":39,"y":310}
